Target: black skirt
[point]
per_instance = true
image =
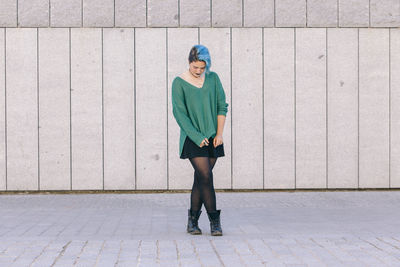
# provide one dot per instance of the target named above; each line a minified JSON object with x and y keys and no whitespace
{"x":191,"y":150}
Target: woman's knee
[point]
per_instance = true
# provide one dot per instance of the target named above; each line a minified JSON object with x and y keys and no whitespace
{"x":205,"y":177}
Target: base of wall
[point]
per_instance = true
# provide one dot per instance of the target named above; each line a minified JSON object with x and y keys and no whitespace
{"x":188,"y":191}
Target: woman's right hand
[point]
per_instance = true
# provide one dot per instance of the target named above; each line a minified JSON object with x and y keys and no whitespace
{"x":204,"y":142}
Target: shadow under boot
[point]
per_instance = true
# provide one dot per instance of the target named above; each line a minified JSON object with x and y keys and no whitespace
{"x":215,"y":222}
{"x":192,"y":226}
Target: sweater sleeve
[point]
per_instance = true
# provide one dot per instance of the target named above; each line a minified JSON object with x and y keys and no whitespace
{"x":181,"y":115}
{"x":222,"y":106}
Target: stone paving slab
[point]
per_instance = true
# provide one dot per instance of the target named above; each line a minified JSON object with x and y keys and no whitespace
{"x":334,"y":228}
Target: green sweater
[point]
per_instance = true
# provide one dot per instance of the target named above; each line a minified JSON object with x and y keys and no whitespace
{"x":196,"y":109}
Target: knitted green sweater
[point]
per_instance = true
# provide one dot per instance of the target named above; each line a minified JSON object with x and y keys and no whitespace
{"x":196,"y":109}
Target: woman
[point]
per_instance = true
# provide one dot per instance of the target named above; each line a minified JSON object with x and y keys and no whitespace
{"x":199,"y":107}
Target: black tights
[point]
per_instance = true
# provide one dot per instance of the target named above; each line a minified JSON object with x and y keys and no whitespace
{"x":203,"y":186}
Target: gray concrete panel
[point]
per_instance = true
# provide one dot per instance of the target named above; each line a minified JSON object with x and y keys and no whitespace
{"x":353,"y":13}
{"x":22,"y":109}
{"x":195,"y":13}
{"x":322,"y":13}
{"x":54,"y":109}
{"x":395,"y":108}
{"x":290,"y":13}
{"x":385,"y":13}
{"x":33,"y":13}
{"x":374,"y":109}
{"x":247,"y":108}
{"x":310,"y":108}
{"x":86,"y":109}
{"x":162,"y":13}
{"x":342,"y":96}
{"x":66,"y":13}
{"x":217,"y":40}
{"x":279,"y":124}
{"x":226,"y":13}
{"x":130,"y":13}
{"x":8,"y":13}
{"x":98,"y":13}
{"x":2,"y":113}
{"x":180,"y":41}
{"x":258,"y":13}
{"x":151,"y":109}
{"x":119,"y":109}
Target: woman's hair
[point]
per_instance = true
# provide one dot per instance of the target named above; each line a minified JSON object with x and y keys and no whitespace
{"x":200,"y":52}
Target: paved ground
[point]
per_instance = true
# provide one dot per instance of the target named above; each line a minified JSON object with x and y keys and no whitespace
{"x":349,"y":228}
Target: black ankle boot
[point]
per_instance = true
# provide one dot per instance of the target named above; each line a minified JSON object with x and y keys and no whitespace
{"x":215,"y":222}
{"x":192,"y":226}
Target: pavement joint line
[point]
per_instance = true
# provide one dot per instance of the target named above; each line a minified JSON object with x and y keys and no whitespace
{"x":309,"y":250}
{"x":294,"y":254}
{"x":138,"y":258}
{"x":83,"y":226}
{"x":61,"y":253}
{"x":100,"y":251}
{"x":395,"y":239}
{"x":237,"y":252}
{"x":8,"y":247}
{"x":196,"y":252}
{"x":350,"y":252}
{"x":369,"y":252}
{"x":41,"y":253}
{"x":119,"y":252}
{"x":158,"y":251}
{"x":45,"y":230}
{"x":366,"y":251}
{"x":372,"y":244}
{"x":80,"y":253}
{"x":27,"y":230}
{"x":273,"y":251}
{"x":388,"y":243}
{"x":216,"y":253}
{"x":20,"y":254}
{"x":252,"y":249}
{"x":319,"y":257}
{"x":177,"y":253}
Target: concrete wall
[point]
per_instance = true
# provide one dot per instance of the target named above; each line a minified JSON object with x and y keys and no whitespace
{"x":312,"y":86}
{"x":193,"y":13}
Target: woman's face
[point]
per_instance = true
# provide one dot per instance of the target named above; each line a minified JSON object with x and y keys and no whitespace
{"x":197,"y":68}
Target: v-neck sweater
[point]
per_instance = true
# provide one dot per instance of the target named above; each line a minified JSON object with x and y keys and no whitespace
{"x":196,"y":108}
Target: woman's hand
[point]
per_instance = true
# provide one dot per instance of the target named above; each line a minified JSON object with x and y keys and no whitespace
{"x":204,"y":142}
{"x":218,"y":140}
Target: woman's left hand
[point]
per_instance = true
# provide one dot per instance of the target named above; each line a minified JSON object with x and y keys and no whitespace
{"x":218,"y":140}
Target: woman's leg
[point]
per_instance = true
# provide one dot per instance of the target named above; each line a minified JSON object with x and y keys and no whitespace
{"x":203,"y":184}
{"x":195,"y":197}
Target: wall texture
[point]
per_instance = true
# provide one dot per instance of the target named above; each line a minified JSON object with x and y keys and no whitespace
{"x":85,"y":92}
{"x":194,"y":13}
